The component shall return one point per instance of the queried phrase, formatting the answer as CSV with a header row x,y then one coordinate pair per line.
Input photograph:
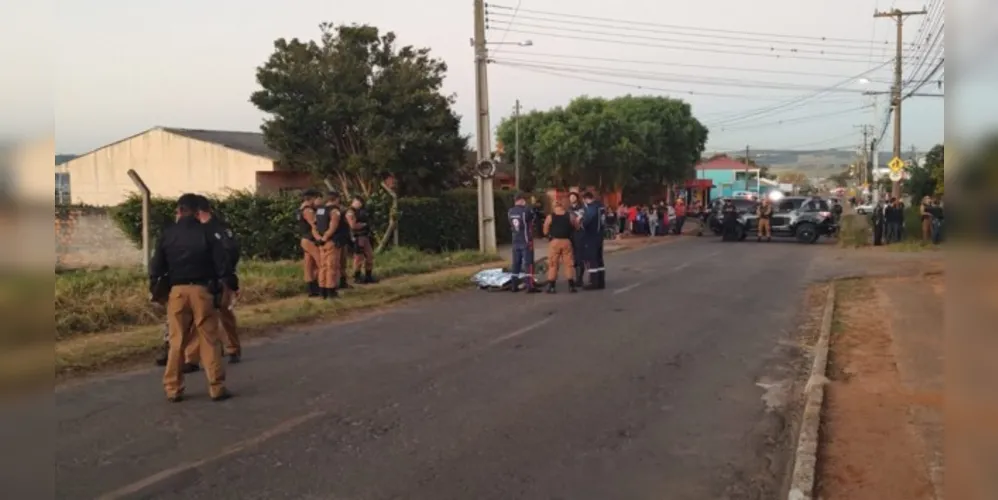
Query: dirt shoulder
x,y
871,447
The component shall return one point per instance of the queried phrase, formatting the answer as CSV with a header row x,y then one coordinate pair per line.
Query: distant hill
x,y
814,163
60,159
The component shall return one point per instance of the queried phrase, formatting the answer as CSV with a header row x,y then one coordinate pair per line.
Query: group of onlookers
x,y
891,217
656,219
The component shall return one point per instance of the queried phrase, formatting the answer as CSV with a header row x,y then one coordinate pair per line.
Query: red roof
x,y
723,163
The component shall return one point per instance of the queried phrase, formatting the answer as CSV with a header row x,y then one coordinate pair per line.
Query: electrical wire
x,y
560,24
697,29
575,76
694,49
925,80
824,141
678,78
800,100
646,62
502,41
789,121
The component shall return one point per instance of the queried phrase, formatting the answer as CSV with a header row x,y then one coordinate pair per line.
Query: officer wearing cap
x,y
328,222
227,317
306,228
195,263
577,210
521,225
360,229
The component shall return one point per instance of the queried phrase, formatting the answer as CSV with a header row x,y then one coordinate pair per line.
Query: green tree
x,y
355,108
613,143
926,179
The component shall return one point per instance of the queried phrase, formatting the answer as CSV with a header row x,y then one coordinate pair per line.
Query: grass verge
x,y
116,299
96,352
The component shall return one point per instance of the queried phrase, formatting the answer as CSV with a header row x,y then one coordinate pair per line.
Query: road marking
x,y
521,331
670,271
277,430
627,288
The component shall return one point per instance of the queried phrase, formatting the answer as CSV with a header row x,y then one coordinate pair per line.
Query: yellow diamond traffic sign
x,y
896,164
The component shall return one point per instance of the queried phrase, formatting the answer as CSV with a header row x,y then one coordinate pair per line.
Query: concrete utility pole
x,y
516,144
875,153
865,176
486,200
899,16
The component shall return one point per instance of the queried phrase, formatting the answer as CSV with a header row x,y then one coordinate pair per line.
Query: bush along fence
x,y
267,229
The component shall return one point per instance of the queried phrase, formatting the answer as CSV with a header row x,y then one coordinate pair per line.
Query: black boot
x,y
601,280
343,284
357,277
571,286
369,277
313,289
331,293
579,274
551,287
514,284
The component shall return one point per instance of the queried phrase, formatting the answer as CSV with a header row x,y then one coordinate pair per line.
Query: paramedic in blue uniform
x,y
521,224
576,209
592,227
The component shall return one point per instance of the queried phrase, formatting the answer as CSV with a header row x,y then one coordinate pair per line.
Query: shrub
x,y
855,231
267,229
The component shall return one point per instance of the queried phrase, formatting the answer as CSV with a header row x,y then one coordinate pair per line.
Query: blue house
x,y
729,177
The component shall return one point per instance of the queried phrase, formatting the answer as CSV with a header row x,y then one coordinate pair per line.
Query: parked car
x,y
802,217
865,209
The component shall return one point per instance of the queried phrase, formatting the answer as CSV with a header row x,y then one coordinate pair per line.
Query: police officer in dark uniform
x,y
217,226
592,227
521,225
194,261
577,210
729,221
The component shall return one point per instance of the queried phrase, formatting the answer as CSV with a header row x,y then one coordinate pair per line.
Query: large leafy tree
x,y
355,108
926,179
617,143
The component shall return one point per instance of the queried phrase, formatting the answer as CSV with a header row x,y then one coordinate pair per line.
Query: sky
x,y
124,66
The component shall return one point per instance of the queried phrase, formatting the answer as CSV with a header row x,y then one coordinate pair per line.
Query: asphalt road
x,y
664,386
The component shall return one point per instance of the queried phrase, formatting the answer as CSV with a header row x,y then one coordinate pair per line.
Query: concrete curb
x,y
802,479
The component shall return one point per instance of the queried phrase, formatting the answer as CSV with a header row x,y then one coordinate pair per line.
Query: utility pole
x,y
746,167
865,176
486,197
516,144
899,16
874,187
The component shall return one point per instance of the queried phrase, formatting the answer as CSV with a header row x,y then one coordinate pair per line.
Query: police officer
x,y
306,229
765,213
230,292
360,228
592,228
192,258
577,210
521,225
729,221
878,223
559,227
327,225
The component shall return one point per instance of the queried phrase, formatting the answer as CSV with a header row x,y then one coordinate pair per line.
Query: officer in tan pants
x,y
306,227
765,213
559,227
328,218
196,266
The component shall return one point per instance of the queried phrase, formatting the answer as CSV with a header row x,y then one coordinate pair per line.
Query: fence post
x,y
146,195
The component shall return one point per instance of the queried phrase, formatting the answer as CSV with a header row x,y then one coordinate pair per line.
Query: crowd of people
x,y
656,219
889,221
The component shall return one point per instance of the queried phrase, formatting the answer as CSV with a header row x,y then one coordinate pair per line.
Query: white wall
x,y
169,164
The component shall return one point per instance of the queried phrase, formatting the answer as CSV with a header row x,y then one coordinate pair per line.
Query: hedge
x,y
267,229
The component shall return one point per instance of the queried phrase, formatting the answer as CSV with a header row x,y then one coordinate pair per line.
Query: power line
x,y
925,80
668,26
723,82
789,121
502,41
560,23
800,100
824,141
575,76
674,47
677,64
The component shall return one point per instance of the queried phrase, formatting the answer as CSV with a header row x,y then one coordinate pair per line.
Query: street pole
x,y
875,151
746,167
899,16
516,144
486,200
